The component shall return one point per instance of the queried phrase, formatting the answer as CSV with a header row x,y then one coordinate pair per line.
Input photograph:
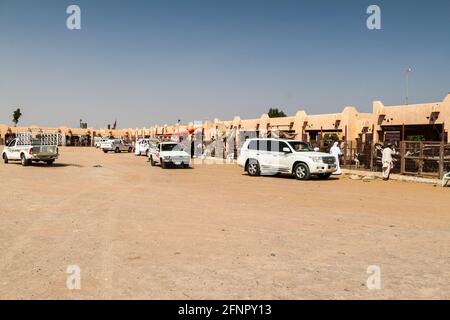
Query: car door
x,y
274,155
144,146
264,156
251,151
282,159
13,151
123,146
154,152
137,147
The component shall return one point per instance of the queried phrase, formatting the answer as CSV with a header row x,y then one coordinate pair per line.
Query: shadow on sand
x,y
291,177
54,165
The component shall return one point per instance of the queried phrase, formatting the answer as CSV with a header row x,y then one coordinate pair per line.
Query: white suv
x,y
274,156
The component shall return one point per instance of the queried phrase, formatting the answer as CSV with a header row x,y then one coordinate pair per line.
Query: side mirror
x,y
286,150
316,149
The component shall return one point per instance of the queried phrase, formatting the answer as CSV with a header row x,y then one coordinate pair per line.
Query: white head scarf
x,y
335,150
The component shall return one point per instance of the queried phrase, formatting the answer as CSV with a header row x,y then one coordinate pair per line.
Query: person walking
x,y
336,152
387,160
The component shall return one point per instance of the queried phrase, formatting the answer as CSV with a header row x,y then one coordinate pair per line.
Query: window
x,y
35,142
282,145
264,145
12,143
300,146
170,147
267,145
253,145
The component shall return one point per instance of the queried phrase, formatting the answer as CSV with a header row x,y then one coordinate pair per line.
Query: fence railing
x,y
421,158
424,158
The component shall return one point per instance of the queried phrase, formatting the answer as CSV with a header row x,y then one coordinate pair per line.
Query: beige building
x,y
427,121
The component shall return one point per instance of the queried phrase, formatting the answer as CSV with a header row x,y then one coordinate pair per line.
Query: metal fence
x,y
357,154
424,158
420,158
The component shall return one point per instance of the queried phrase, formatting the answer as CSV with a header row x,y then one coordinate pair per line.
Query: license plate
x,y
177,163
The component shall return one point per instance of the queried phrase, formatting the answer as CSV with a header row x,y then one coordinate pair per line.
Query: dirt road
x,y
212,232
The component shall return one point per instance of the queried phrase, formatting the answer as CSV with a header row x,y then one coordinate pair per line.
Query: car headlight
x,y
166,158
317,159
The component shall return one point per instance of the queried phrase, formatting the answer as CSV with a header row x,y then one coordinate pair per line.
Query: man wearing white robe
x,y
336,152
387,161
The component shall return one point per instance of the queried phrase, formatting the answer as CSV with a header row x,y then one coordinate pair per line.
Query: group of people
x,y
387,159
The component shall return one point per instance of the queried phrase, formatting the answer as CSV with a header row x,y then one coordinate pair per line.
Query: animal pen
x,y
420,158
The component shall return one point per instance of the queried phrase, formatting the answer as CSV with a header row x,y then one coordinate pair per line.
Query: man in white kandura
x,y
387,160
336,152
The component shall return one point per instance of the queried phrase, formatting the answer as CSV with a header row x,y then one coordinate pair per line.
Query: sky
x,y
160,61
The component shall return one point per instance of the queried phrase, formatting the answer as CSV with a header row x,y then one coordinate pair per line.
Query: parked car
x,y
141,147
30,150
168,153
116,145
274,156
98,141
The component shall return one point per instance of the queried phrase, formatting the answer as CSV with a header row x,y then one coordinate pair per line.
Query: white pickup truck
x,y
116,145
168,153
31,149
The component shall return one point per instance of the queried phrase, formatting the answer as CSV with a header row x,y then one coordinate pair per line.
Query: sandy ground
x,y
212,232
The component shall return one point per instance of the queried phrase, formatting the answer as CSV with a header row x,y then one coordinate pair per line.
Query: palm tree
x,y
16,116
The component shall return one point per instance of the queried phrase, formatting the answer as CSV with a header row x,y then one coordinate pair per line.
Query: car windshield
x,y
35,142
300,146
170,147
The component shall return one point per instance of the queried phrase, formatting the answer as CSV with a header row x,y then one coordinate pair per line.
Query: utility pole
x,y
407,84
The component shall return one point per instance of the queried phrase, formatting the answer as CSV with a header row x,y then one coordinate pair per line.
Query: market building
x,y
413,129
426,121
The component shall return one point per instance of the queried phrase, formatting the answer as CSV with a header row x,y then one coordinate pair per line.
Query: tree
x,y
275,113
16,116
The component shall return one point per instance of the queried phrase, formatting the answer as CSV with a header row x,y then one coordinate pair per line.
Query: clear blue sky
x,y
147,62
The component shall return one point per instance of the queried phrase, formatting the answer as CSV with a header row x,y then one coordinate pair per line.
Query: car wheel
x,y
146,153
324,176
163,165
50,162
117,150
130,150
253,168
186,165
105,151
24,160
5,158
152,162
301,171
